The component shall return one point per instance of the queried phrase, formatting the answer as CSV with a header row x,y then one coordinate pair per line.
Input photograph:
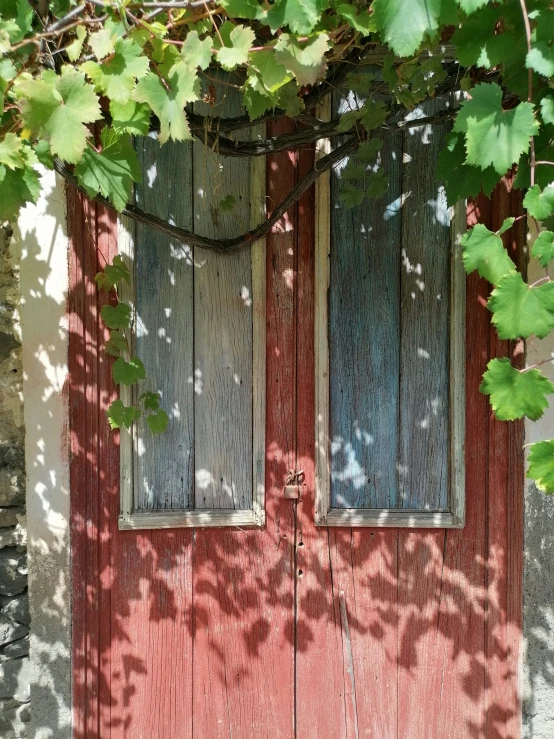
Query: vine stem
x,y
529,83
537,364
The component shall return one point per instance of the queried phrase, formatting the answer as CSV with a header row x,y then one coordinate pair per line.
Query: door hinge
x,y
293,484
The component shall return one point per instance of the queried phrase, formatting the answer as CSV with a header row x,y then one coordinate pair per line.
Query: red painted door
x,y
292,631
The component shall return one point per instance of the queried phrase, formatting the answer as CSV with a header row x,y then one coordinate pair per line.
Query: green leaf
x,y
169,105
361,22
348,120
373,115
157,422
547,109
301,16
377,184
543,248
368,151
116,344
290,101
484,251
242,8
73,51
494,136
470,6
130,117
514,394
113,171
196,52
128,373
102,43
113,274
256,103
116,316
241,39
17,187
227,204
404,24
539,203
57,107
151,401
306,60
120,415
269,75
10,152
521,311
116,77
541,465
507,223
352,195
541,59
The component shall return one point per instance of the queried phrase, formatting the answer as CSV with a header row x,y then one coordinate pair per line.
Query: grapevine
x,y
79,81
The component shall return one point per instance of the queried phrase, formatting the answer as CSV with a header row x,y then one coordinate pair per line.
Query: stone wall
x,y
14,602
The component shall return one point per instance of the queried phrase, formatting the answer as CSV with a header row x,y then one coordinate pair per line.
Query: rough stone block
x,y
19,648
9,516
16,607
10,630
15,679
12,487
13,571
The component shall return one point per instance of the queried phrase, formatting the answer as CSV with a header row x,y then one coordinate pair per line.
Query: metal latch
x,y
293,484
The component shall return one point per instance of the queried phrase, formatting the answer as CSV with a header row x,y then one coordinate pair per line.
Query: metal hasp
x,y
293,484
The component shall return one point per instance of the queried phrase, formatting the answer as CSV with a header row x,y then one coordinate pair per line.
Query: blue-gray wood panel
x,y
388,335
164,465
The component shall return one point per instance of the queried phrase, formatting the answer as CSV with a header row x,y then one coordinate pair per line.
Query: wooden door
x,y
290,630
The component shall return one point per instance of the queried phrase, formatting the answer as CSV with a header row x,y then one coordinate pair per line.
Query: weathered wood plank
x,y
222,327
423,475
163,465
244,580
363,338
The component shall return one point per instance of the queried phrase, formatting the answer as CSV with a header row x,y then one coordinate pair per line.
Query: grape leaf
x,y
73,51
157,422
373,115
539,204
484,251
377,183
494,136
151,401
544,151
169,105
541,465
111,172
256,103
196,52
10,152
470,6
369,150
241,39
130,117
227,204
17,187
547,109
514,394
128,373
301,16
543,248
403,24
306,60
265,68
352,195
242,8
541,59
519,310
120,415
116,77
113,274
116,316
290,101
102,42
507,223
462,180
57,107
116,344
361,22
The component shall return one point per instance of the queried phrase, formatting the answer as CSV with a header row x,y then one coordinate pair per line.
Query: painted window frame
x,y
130,519
325,514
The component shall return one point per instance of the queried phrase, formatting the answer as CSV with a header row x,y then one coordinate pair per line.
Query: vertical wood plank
x,y
364,326
163,466
244,580
424,356
222,327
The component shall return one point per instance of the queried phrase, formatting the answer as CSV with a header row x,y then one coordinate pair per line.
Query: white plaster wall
x,y
41,238
538,598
